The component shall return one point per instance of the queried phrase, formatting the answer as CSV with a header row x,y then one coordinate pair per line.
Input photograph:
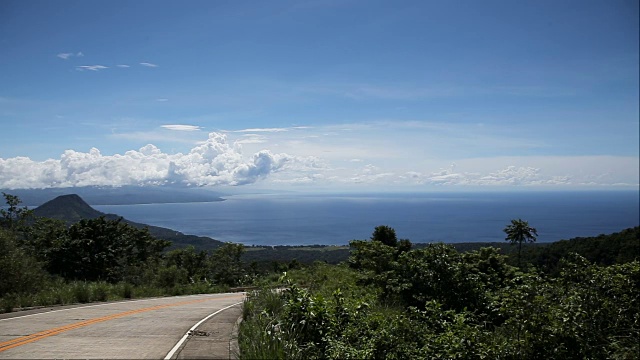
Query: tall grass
x,y
60,292
259,336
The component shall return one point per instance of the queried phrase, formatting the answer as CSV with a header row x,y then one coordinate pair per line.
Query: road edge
x,y
175,352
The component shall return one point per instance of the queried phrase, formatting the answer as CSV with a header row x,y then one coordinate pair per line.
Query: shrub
x,y
81,292
100,291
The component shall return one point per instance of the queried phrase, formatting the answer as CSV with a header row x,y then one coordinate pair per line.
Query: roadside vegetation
x,y
395,302
389,298
45,262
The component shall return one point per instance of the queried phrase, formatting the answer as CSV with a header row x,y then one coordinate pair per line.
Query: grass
x,y
59,292
259,337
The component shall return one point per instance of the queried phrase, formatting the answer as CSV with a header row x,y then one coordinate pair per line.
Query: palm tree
x,y
519,231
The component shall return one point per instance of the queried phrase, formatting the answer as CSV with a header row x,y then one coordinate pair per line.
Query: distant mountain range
x,y
123,195
72,208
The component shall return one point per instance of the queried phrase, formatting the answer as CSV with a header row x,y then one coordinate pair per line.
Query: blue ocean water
x,y
334,219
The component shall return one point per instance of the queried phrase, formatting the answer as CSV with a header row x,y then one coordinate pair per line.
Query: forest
x,y
385,298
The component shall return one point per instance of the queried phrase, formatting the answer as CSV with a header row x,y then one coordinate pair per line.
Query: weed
x,y
81,292
8,303
127,291
100,291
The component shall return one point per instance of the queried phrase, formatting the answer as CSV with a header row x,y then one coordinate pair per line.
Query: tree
x,y
194,262
386,235
20,273
226,264
101,249
14,216
518,232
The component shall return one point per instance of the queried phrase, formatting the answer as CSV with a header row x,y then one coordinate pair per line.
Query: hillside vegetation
x,y
72,208
395,302
78,254
388,298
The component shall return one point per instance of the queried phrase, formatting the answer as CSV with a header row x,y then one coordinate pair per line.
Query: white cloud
x,y
214,162
261,130
252,139
162,100
64,56
148,64
506,177
67,56
425,155
182,127
91,67
123,66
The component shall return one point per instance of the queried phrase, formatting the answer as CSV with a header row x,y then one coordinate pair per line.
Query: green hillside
x,y
72,208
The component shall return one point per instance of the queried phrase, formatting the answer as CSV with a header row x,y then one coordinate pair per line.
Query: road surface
x,y
135,329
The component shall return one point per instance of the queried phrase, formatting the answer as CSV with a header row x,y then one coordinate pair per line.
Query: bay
x,y
335,219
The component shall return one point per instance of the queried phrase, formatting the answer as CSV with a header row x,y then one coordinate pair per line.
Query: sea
x,y
335,219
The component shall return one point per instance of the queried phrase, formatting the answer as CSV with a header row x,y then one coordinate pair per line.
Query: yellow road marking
x,y
50,332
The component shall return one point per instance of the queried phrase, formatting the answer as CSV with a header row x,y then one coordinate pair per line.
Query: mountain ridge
x,y
71,208
122,195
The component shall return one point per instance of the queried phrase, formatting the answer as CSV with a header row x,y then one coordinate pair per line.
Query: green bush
x,y
126,290
8,302
171,276
81,291
100,291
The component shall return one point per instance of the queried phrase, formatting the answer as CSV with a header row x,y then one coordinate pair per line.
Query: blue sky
x,y
320,94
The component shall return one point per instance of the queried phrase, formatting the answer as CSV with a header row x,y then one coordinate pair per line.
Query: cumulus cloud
x,y
148,64
214,162
91,67
182,127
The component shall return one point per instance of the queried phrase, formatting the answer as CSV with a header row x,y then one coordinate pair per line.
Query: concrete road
x,y
136,329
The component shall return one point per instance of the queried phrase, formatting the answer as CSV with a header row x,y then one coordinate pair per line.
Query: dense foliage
x,y
393,302
616,248
575,299
44,261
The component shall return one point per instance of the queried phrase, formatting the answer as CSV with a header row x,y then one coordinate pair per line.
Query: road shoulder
x,y
216,338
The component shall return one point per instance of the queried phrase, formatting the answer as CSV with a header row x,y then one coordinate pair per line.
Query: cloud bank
x,y
328,160
213,162
509,176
